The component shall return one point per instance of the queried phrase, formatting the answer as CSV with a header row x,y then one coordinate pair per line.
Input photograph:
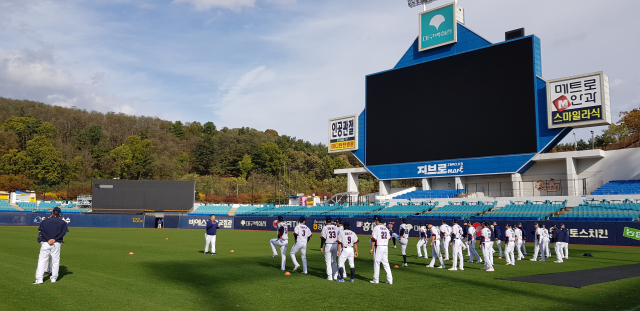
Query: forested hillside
x,y
52,148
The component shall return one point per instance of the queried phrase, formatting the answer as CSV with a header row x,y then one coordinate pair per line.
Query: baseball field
x,y
168,271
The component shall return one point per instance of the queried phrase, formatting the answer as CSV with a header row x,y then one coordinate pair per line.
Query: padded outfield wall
x,y
581,232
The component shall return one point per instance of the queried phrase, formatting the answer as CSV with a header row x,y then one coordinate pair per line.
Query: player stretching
x,y
282,241
510,236
471,236
423,241
347,242
457,233
536,241
445,230
302,235
487,247
329,248
435,246
379,241
518,233
403,238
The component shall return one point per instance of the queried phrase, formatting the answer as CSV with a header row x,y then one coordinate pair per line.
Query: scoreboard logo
x,y
343,134
438,27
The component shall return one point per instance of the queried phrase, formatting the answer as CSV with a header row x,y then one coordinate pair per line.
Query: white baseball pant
x,y
544,248
445,246
487,252
403,243
330,253
211,240
457,254
422,244
283,250
558,248
508,252
302,248
47,251
565,250
518,247
499,246
536,249
381,256
346,254
435,253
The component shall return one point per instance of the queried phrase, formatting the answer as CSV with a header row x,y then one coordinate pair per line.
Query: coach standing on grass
x,y
210,236
52,230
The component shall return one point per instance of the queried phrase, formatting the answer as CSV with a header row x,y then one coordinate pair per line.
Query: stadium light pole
x,y
415,3
592,141
575,140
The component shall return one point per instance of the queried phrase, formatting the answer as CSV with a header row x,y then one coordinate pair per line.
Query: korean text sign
x,y
343,134
438,27
579,101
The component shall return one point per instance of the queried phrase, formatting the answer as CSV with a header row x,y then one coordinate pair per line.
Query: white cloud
x,y
147,6
205,5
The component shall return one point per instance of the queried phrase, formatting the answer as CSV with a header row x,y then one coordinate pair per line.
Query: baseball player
x,y
565,243
457,233
423,241
302,235
329,247
487,247
347,242
435,246
519,241
543,242
403,238
510,241
210,235
445,230
339,225
524,239
465,240
51,233
547,250
497,235
380,240
282,241
536,241
471,236
558,237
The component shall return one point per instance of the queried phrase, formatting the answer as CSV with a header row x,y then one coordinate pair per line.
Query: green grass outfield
x,y
174,274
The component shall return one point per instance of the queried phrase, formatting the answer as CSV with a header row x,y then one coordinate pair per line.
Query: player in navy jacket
x,y
497,234
210,236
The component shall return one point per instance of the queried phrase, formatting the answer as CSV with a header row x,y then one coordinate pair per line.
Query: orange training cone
x,y
396,266
232,251
130,253
287,273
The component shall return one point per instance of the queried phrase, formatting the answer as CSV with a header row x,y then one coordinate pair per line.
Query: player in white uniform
x,y
536,241
487,247
403,238
435,246
282,241
329,246
518,233
347,250
544,243
380,241
510,240
465,240
422,243
457,234
471,237
547,250
302,235
565,243
524,239
445,230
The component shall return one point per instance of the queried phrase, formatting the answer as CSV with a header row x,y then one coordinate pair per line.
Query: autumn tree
x,y
133,159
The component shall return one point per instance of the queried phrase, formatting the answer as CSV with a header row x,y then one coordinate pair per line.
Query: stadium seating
x,y
407,209
465,210
360,210
526,211
430,194
253,210
602,211
315,211
618,187
212,209
6,207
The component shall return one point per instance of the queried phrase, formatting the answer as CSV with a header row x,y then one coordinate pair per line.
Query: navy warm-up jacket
x,y
212,227
52,228
497,233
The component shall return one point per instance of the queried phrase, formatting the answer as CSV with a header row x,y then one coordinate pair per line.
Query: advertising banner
x,y
438,27
343,134
579,101
200,222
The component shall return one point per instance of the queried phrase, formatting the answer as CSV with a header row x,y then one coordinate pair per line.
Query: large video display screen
x,y
150,195
476,104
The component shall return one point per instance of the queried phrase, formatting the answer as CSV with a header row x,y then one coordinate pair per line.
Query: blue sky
x,y
282,64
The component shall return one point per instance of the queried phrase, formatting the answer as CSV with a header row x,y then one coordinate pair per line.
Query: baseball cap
x,y
519,224
56,210
561,225
428,223
403,220
301,219
536,224
339,220
280,218
507,225
377,217
442,220
420,224
346,224
328,218
455,221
